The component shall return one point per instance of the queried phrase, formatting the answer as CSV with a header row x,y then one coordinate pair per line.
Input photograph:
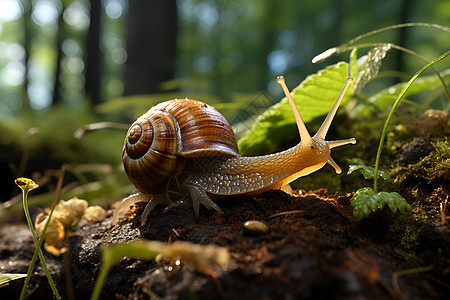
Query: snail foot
x,y
154,200
199,196
124,206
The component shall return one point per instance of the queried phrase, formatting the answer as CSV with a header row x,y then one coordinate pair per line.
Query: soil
x,y
312,250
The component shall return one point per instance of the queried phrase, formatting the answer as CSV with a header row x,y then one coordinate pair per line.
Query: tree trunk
x,y
405,13
27,35
93,54
150,35
56,98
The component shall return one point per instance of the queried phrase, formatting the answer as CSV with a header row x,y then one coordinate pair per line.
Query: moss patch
x,y
420,179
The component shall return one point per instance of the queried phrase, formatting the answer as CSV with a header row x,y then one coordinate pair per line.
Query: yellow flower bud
x,y
26,184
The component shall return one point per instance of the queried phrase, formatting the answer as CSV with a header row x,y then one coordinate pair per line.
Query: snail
x,y
184,151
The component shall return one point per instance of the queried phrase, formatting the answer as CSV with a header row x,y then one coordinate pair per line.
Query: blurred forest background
x,y
65,64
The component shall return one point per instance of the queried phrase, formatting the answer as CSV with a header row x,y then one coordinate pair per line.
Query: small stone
x,y
412,152
431,122
256,227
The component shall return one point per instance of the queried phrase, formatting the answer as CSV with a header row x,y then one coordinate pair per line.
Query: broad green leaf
x,y
395,202
313,97
367,172
365,200
5,278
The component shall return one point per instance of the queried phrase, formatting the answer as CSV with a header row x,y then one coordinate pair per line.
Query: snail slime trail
x,y
184,151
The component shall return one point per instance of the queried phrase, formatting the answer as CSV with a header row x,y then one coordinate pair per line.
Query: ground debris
x,y
313,250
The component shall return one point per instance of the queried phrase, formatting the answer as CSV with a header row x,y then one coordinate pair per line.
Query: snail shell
x,y
158,143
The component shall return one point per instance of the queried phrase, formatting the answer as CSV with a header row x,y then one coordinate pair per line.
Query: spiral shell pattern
x,y
159,142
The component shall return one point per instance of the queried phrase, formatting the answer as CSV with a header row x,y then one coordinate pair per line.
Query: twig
x,y
397,274
289,212
81,132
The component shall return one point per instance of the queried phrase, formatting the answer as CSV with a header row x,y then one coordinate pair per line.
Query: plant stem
x,y
406,50
359,37
397,274
99,282
391,113
39,251
343,47
33,260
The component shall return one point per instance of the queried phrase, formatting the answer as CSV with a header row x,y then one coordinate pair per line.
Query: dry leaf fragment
x,y
53,236
94,214
70,212
66,214
202,256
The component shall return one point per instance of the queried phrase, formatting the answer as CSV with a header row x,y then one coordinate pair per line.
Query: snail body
x,y
185,149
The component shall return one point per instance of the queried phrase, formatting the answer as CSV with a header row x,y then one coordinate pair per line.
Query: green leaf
x,y
387,96
5,278
313,97
395,202
365,200
367,172
371,65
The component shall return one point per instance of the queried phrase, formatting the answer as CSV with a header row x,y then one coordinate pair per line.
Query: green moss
x,y
440,161
418,180
431,170
405,230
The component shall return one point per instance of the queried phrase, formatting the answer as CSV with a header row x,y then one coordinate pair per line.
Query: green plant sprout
x,y
27,185
394,106
357,164
367,199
